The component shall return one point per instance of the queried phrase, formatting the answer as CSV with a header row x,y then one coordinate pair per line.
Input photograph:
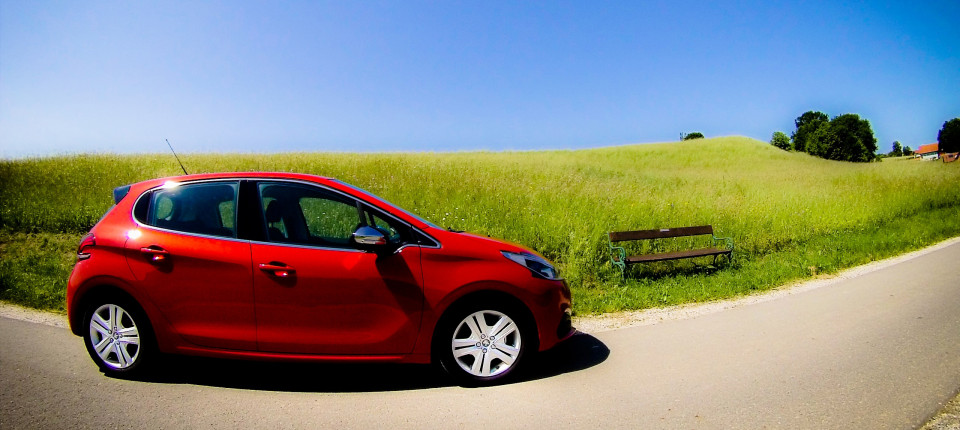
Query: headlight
x,y
540,267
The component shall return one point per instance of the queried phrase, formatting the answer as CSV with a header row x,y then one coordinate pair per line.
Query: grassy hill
x,y
791,215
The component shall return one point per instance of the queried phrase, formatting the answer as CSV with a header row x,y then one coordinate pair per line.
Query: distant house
x,y
928,151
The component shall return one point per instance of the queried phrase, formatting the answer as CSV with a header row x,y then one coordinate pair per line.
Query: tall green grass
x,y
778,206
34,267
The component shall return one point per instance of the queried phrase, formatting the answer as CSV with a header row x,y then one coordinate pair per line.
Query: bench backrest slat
x,y
618,236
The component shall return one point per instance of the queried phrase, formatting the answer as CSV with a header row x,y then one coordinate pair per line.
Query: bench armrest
x,y
614,251
618,258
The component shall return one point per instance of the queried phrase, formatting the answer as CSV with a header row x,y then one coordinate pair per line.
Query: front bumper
x,y
554,322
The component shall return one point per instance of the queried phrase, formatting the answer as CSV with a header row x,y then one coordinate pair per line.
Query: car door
x,y
189,262
316,292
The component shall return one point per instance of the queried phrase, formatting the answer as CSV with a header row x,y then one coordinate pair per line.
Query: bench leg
x,y
623,269
729,258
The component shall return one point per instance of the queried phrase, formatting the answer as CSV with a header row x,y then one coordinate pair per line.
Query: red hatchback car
x,y
282,266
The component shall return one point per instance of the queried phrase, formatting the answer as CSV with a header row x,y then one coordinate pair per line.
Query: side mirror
x,y
369,238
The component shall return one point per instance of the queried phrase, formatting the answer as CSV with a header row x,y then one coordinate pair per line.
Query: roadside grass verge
x,y
34,268
792,216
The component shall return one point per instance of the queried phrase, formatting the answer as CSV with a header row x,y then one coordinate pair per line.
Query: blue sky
x,y
473,75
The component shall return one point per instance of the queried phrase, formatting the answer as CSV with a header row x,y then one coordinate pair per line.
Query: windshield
x,y
356,188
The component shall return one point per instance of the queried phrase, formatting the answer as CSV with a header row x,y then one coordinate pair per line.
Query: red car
x,y
281,266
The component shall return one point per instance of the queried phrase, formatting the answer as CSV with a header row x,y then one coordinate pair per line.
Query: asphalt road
x,y
880,351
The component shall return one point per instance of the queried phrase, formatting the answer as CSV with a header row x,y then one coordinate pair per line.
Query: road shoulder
x,y
17,312
947,419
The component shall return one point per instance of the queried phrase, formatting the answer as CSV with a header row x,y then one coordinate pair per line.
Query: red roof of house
x,y
928,148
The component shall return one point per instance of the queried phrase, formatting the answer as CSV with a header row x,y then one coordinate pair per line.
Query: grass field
x,y
792,216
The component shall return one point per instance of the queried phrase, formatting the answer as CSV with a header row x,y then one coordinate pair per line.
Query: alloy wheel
x,y
486,343
114,336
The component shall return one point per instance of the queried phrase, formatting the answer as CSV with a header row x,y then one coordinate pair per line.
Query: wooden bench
x,y
619,258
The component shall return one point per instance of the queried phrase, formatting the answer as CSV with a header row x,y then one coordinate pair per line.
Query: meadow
x,y
791,215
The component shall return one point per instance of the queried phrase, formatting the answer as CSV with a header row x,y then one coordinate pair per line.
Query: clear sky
x,y
99,76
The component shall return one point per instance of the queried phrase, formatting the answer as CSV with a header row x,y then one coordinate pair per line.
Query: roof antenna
x,y
175,155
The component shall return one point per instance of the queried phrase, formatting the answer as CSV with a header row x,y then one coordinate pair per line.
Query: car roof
x,y
228,175
151,183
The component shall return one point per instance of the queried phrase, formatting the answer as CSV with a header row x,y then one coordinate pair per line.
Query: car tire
x,y
118,337
484,343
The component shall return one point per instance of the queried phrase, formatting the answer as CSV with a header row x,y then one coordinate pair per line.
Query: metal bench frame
x,y
619,259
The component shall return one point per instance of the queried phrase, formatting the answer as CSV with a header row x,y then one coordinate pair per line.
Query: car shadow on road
x,y
580,352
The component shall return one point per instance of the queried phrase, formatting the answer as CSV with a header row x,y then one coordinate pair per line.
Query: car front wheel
x,y
484,344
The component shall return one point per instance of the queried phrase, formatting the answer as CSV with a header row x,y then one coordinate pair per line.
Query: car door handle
x,y
279,270
155,253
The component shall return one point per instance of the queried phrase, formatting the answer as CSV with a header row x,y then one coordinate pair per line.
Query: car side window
x,y
203,208
308,215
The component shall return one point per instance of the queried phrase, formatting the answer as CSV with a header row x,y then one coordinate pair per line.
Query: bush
x,y
694,135
780,140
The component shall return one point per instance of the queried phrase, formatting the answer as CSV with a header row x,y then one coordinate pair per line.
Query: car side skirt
x,y
274,356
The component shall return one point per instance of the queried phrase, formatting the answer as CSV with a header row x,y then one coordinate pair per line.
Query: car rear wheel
x,y
118,337
484,344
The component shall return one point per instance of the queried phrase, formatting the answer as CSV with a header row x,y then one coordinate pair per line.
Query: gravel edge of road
x,y
17,312
947,419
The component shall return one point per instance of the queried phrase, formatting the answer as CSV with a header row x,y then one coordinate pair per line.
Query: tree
x,y
780,140
846,137
907,151
818,139
850,139
949,136
807,124
694,135
897,149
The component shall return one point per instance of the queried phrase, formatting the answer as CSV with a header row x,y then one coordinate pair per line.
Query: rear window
x,y
203,208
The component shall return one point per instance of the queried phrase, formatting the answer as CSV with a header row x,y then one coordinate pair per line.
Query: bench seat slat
x,y
619,236
677,255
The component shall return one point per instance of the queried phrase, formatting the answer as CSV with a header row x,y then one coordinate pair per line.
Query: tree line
x,y
848,137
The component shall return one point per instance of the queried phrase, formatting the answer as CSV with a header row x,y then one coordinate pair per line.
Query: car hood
x,y
478,242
